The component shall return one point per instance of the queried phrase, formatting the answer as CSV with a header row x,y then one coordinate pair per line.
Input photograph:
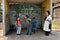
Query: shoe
x,y
46,35
30,34
18,34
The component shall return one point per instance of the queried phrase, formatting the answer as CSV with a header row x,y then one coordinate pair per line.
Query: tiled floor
x,y
39,35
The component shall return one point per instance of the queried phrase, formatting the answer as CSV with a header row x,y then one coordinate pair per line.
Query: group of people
x,y
31,24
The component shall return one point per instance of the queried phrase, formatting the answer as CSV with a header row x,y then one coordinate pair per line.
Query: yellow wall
x,y
45,7
6,5
6,15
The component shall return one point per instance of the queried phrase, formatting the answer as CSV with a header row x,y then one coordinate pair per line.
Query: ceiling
x,y
55,1
25,1
0,1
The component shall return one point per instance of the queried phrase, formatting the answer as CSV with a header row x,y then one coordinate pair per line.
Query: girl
x,y
18,24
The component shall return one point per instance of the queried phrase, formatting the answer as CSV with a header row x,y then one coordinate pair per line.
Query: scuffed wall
x,y
6,16
45,7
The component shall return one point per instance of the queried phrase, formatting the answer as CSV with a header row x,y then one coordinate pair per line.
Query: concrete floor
x,y
38,36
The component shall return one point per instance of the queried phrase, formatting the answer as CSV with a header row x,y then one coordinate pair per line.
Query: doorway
x,y
32,10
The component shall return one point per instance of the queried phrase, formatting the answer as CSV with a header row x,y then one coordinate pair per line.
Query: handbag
x,y
49,26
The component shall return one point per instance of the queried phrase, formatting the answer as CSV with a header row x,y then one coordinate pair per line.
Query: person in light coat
x,y
47,26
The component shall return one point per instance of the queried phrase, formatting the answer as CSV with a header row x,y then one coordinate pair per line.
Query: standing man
x,y
28,22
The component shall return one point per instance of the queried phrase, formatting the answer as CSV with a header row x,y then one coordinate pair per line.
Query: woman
x,y
28,22
47,26
18,26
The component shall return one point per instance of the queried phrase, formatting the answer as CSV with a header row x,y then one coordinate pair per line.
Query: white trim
x,y
3,11
51,7
54,13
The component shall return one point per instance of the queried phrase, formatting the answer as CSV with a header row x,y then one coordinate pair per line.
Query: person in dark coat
x,y
34,22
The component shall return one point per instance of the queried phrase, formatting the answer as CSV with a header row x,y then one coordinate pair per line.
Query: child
x,y
18,24
34,25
